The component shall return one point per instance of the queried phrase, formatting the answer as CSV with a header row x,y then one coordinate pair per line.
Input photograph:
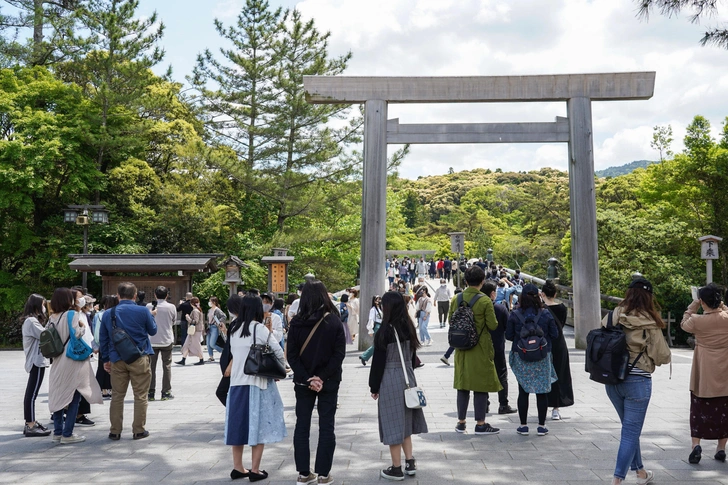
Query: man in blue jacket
x,y
139,324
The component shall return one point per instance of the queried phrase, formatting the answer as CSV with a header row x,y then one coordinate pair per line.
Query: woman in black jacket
x,y
316,350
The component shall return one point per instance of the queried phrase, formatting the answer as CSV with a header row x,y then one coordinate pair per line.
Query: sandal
x,y
254,477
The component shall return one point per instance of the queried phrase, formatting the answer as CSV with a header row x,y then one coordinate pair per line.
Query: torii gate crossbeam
x,y
577,90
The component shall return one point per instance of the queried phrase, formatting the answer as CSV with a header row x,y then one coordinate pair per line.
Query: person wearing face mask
x,y
193,344
34,319
272,321
215,327
443,297
84,408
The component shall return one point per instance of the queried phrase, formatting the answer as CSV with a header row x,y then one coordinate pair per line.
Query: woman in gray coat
x,y
397,422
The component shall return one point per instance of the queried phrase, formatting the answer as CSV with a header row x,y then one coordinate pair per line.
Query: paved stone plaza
x,y
186,447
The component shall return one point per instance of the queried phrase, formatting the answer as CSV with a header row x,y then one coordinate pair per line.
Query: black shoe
x,y
460,428
84,421
421,364
114,437
141,436
150,397
410,467
201,362
236,474
363,362
506,410
720,455
695,455
485,428
166,396
393,473
181,362
254,477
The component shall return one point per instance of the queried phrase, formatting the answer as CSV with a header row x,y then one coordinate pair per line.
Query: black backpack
x,y
532,345
463,335
607,355
51,345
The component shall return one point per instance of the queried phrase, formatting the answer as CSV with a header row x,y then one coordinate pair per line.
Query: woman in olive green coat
x,y
474,368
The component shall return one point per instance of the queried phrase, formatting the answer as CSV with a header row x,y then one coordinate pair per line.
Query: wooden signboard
x,y
278,278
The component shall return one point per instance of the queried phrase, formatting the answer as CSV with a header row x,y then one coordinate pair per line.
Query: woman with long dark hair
x,y
639,316
375,320
562,392
708,385
533,377
316,349
254,414
397,423
34,319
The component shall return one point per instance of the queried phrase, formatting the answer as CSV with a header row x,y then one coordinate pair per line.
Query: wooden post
x,y
584,249
373,212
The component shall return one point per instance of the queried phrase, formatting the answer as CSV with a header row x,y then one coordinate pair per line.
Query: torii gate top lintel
x,y
480,89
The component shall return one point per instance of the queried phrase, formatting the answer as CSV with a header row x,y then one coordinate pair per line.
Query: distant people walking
x,y
353,306
424,309
447,269
344,314
193,345
474,368
254,407
432,269
375,320
708,383
139,324
316,351
34,319
397,422
165,315
562,392
69,379
534,377
440,265
639,316
443,297
215,327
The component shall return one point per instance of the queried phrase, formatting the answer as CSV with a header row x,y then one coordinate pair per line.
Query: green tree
x,y
699,9
661,141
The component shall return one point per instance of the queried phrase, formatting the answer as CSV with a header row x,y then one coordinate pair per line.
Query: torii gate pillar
x,y
577,90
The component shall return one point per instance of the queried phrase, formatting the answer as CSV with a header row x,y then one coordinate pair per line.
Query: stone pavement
x,y
186,447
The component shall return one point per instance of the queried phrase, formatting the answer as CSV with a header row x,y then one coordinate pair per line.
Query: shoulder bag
x,y
125,346
414,397
77,348
262,361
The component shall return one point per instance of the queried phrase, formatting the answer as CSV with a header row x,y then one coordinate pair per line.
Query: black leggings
x,y
480,401
35,379
542,404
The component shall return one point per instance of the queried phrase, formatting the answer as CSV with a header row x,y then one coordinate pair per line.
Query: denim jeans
x,y
424,333
65,427
305,401
212,333
630,398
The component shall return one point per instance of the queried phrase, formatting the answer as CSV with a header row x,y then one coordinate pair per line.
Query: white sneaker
x,y
444,360
56,438
555,415
74,438
648,479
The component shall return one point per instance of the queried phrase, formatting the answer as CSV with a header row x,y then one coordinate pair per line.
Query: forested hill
x,y
624,169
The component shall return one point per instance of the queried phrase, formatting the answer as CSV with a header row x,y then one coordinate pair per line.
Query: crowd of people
x,y
308,335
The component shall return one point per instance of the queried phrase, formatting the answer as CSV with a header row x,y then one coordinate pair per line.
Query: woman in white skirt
x,y
254,410
193,343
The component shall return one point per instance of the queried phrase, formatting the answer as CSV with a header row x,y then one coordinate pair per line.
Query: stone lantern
x,y
232,266
552,272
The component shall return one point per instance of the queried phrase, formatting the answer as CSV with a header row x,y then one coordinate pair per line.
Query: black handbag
x,y
126,347
262,361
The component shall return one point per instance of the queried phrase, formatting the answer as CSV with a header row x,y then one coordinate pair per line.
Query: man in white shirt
x,y
276,324
165,315
443,297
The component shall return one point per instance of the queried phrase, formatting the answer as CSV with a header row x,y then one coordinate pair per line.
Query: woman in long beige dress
x,y
353,308
69,379
193,343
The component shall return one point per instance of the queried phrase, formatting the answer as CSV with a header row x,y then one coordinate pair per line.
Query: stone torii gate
x,y
577,90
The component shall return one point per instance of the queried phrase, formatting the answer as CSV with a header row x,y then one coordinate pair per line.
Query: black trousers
x,y
35,379
448,275
542,404
499,359
305,401
480,401
443,307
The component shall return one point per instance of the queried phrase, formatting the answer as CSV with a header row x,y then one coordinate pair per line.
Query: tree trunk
x,y
38,21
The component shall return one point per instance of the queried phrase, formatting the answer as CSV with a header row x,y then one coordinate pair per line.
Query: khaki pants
x,y
139,374
166,369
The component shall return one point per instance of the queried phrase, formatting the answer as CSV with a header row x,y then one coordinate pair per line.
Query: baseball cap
x,y
641,283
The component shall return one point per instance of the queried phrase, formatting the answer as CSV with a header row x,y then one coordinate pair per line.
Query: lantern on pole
x,y
278,271
232,266
709,252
